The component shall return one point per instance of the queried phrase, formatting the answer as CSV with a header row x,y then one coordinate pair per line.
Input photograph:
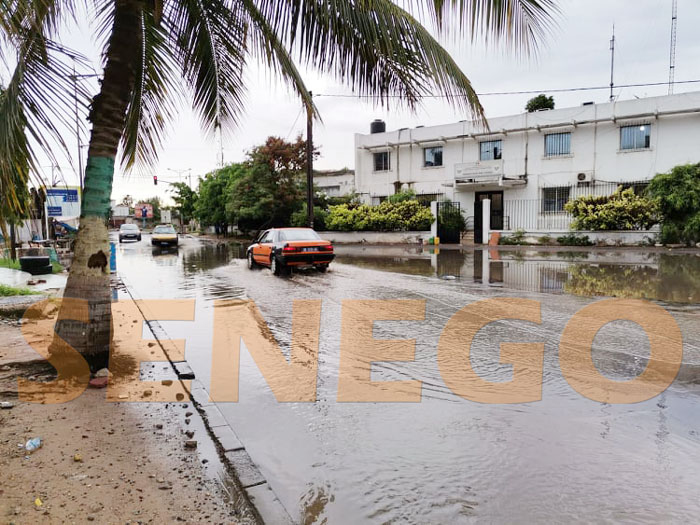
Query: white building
x,y
530,164
335,183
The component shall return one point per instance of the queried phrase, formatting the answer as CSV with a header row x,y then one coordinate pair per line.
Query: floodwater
x,y
447,459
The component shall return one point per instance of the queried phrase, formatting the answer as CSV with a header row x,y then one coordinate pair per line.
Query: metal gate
x,y
448,219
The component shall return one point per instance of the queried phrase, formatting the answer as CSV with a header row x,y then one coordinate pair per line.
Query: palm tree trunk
x,y
89,272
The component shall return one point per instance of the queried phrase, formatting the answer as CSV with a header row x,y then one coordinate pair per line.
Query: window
x,y
635,137
432,157
490,150
553,199
381,161
298,234
556,144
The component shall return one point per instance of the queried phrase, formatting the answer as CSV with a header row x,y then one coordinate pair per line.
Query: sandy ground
x,y
132,464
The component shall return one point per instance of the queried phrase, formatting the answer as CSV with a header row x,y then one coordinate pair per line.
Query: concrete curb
x,y
231,450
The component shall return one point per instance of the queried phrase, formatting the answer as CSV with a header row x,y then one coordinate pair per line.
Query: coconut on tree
x,y
155,51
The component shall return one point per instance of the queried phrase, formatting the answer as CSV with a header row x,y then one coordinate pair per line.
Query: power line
x,y
524,92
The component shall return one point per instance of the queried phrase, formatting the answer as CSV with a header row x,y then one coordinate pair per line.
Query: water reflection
x,y
623,273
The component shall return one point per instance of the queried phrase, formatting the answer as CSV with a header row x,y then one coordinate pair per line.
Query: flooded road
x,y
447,459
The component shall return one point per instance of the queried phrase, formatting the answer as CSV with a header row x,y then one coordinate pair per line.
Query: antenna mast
x,y
612,65
672,56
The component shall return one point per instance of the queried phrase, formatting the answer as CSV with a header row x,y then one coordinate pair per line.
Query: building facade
x,y
529,165
335,183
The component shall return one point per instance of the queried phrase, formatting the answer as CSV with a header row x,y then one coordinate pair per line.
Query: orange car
x,y
281,248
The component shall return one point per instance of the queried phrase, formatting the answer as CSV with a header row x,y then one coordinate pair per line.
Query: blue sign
x,y
65,194
55,211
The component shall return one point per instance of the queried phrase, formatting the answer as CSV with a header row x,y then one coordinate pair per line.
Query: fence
x,y
547,213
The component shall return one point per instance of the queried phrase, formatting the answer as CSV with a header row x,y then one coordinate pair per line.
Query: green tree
x,y
539,102
185,199
214,189
271,189
678,195
378,48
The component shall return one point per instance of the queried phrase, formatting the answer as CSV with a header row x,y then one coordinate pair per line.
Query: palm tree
x,y
155,48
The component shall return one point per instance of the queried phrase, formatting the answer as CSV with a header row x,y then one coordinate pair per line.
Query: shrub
x,y
572,239
388,216
517,238
452,219
298,218
678,196
545,239
623,210
404,195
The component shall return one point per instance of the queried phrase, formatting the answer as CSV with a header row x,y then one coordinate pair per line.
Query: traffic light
x,y
155,180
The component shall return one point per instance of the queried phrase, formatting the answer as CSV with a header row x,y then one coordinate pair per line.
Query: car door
x,y
259,250
266,246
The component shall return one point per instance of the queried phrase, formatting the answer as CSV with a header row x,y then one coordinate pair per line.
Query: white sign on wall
x,y
165,216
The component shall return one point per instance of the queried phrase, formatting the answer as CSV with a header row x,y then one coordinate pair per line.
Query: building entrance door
x,y
496,198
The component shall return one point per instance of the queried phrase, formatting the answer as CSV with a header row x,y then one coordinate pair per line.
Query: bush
x,y
388,216
298,218
678,196
404,195
623,210
517,238
572,239
452,219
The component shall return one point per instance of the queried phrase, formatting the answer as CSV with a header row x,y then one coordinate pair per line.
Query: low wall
x,y
376,237
609,238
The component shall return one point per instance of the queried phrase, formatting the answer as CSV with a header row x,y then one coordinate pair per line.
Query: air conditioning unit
x,y
585,177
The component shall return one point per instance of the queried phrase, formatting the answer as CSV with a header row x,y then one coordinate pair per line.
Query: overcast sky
x,y
577,54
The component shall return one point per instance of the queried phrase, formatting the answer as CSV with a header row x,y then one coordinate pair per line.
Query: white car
x,y
129,231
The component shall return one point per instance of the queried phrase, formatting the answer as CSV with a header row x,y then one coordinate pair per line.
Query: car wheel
x,y
251,261
276,266
322,268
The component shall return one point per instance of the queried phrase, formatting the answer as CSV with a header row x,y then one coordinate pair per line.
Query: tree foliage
x,y
678,196
270,188
539,102
623,210
185,199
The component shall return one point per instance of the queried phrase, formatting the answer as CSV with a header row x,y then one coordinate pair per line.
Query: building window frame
x,y
491,150
635,137
557,144
381,165
435,154
554,198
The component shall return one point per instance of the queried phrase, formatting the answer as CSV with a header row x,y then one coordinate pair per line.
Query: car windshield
x,y
129,227
164,229
303,234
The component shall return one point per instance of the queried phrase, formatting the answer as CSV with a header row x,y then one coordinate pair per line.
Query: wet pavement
x,y
447,459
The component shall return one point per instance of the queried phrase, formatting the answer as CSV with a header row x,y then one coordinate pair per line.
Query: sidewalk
x,y
105,462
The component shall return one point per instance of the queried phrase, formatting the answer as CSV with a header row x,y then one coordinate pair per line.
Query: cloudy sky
x,y
577,54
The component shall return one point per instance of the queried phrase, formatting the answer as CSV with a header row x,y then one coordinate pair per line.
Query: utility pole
x,y
612,65
672,57
310,163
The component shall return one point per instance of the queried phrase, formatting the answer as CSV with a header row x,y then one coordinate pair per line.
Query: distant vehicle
x,y
282,248
164,234
129,231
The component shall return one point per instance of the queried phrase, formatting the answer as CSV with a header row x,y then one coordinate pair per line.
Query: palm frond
x,y
210,40
153,101
270,47
375,46
521,24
